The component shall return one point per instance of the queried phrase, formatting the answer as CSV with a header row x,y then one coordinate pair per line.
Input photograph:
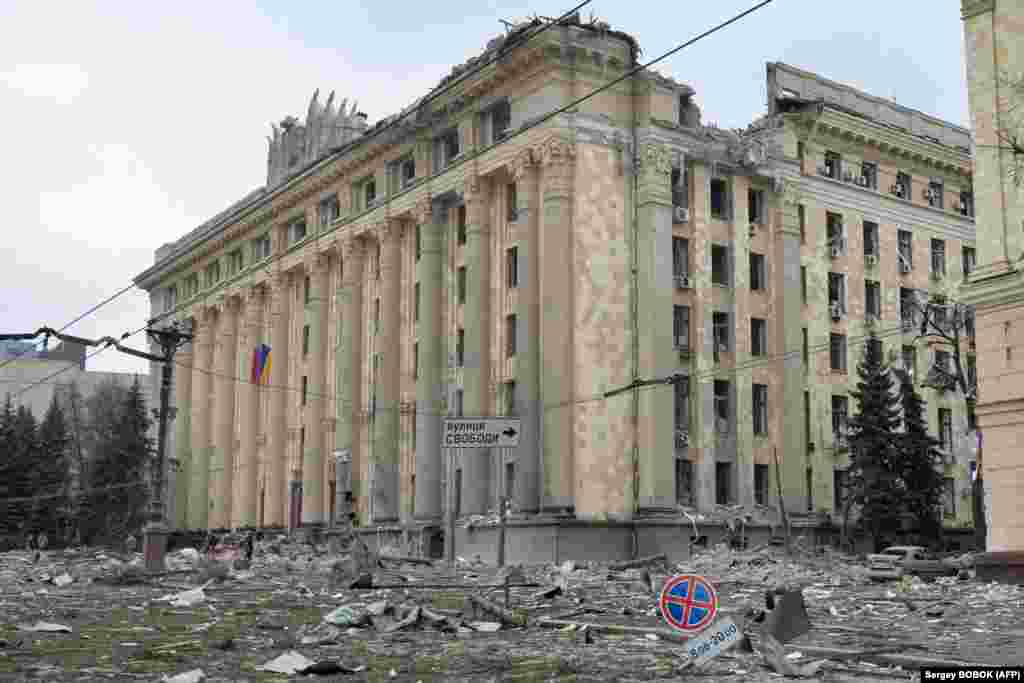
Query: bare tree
x,y
1010,134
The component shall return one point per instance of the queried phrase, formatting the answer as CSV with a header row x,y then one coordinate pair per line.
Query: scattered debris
x,y
45,627
193,676
290,662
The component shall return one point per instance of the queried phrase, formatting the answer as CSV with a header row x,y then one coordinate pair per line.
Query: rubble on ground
x,y
90,614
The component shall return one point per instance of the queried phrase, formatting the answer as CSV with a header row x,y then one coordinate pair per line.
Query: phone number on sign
x,y
714,640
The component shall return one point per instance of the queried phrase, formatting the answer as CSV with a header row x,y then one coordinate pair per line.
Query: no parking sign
x,y
688,603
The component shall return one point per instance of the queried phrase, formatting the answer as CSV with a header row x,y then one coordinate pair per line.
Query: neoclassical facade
x,y
474,256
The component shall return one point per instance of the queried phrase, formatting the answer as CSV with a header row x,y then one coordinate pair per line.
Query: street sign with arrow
x,y
481,432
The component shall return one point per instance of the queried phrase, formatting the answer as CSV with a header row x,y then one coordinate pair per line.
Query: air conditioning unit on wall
x,y
680,214
682,281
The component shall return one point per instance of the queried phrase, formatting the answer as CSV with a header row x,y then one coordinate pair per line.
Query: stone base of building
x,y
1004,567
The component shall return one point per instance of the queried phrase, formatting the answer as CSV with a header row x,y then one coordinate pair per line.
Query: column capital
x,y
352,248
279,282
656,159
317,262
556,151
524,162
471,187
388,231
423,211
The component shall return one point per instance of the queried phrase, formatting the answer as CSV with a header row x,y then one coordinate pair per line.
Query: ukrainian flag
x,y
261,364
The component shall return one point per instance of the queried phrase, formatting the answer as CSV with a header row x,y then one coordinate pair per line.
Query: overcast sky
x,y
128,124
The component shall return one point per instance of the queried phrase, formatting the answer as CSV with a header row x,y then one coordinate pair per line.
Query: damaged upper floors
x,y
468,257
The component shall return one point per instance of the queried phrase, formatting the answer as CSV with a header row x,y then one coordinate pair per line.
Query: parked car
x,y
898,561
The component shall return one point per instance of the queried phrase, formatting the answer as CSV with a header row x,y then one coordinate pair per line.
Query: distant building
x,y
450,266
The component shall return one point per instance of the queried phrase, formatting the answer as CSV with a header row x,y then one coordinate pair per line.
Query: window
x,y
938,257
297,231
170,297
302,442
376,316
801,213
305,340
969,260
236,261
760,400
755,206
720,327
806,347
680,187
972,373
377,261
305,290
966,207
809,485
870,239
328,210
681,327
415,361
407,172
905,251
902,186
305,389
499,118
460,224
511,203
837,352
260,248
969,326
908,307
680,257
684,482
761,484
910,360
938,309
758,272
446,149
874,347
510,335
943,361
457,494
934,194
833,165
946,429
681,396
416,303
460,348
369,192
839,485
807,418
459,394
873,298
719,265
212,274
840,410
949,496
834,227
758,336
512,267
419,242
719,199
869,174
803,283
722,409
460,282
510,480
510,398
837,290
723,482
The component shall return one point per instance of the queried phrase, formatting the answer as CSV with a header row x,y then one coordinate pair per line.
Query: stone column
x,y
275,513
245,511
202,362
527,361
554,258
654,309
222,460
427,506
348,357
476,372
792,451
386,420
182,433
702,435
313,503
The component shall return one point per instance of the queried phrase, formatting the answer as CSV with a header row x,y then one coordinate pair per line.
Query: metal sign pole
x,y
501,503
451,506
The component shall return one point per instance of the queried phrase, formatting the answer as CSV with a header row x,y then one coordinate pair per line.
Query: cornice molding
x,y
972,8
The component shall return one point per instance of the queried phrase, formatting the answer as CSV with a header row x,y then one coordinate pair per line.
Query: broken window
x,y
761,484
834,228
839,478
719,265
510,481
869,175
305,340
840,411
212,274
934,194
938,257
910,360
170,297
719,199
720,329
969,260
680,187
499,119
901,188
459,394
972,373
328,210
305,389
806,348
837,291
966,206
236,261
369,192
512,267
460,223
837,352
681,327
684,482
758,272
803,283
297,231
446,149
908,307
408,171
946,429
305,290
680,257
833,165
723,412
723,483
510,335
681,391
419,242
949,496
873,298
460,282
759,397
260,248
511,202
755,206
801,212
416,303
415,364
871,239
758,337
376,316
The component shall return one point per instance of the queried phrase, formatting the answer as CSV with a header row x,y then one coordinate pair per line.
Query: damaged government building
x,y
472,255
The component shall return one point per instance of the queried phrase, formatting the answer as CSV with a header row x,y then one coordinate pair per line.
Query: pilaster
x,y
701,449
275,512
315,316
222,461
202,362
348,357
245,511
183,433
386,418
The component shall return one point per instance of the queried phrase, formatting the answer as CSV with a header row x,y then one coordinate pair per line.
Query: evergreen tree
x,y
24,451
12,472
919,462
119,493
875,483
50,474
